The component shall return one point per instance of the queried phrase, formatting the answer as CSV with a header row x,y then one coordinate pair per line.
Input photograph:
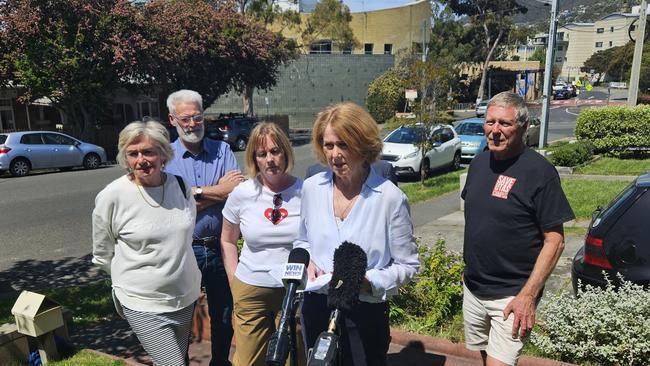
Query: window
x,y
367,48
347,51
56,139
560,47
558,59
632,28
31,139
122,113
560,36
599,44
610,43
611,29
600,30
324,46
149,109
388,49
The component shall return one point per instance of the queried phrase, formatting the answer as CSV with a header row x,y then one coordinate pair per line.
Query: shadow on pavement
x,y
39,276
414,354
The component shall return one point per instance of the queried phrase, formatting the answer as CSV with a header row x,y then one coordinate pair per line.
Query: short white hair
x,y
155,131
186,96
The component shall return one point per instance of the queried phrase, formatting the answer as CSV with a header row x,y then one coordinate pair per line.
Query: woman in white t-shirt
x,y
266,211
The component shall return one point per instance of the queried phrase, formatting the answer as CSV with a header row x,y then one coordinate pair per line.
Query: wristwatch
x,y
198,193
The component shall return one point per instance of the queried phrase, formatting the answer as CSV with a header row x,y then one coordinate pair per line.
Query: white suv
x,y
401,150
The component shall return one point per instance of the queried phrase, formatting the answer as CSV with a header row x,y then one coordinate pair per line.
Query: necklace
x,y
149,203
343,214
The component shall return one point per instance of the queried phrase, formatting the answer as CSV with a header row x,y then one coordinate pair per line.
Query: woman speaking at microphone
x,y
350,202
266,211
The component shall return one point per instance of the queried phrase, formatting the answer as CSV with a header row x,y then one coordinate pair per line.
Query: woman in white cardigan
x,y
142,234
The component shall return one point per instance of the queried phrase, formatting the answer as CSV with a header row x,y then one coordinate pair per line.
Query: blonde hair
x,y
258,139
155,131
353,125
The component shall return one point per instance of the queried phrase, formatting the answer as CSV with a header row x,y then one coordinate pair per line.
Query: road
x,y
47,216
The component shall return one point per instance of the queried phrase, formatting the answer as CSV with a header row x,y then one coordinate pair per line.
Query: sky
x,y
369,5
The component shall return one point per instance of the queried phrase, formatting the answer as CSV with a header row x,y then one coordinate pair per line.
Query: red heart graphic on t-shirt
x,y
268,213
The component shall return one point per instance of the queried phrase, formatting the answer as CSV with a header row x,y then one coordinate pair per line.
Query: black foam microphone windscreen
x,y
298,255
350,263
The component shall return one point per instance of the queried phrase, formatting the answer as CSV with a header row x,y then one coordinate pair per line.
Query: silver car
x,y
21,152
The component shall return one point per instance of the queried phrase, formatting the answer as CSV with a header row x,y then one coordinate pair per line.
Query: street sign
x,y
578,83
588,87
411,94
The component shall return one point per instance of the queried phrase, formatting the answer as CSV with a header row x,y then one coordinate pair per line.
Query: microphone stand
x,y
293,346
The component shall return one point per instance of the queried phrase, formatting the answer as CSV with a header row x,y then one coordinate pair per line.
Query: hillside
x,y
538,14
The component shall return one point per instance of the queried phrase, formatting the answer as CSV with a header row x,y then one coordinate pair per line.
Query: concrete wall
x,y
309,84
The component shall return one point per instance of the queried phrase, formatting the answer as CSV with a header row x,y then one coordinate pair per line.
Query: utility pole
x,y
633,92
548,76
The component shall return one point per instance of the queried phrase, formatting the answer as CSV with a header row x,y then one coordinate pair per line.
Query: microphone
x,y
350,264
294,277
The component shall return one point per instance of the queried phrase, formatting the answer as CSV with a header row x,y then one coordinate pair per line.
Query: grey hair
x,y
155,131
510,99
186,96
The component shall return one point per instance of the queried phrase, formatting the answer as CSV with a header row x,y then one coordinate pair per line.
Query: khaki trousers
x,y
256,313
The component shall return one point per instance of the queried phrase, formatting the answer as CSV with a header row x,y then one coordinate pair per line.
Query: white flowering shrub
x,y
608,326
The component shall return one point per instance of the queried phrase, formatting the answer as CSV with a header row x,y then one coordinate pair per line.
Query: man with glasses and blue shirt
x,y
209,166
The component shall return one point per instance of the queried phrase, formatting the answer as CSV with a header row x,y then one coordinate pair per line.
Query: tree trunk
x,y
248,101
491,49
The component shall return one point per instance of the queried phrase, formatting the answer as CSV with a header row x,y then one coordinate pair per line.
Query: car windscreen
x,y
406,135
3,139
470,129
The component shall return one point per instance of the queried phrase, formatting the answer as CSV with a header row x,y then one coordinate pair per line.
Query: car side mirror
x,y
436,143
77,144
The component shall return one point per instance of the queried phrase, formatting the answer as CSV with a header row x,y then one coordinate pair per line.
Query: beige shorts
x,y
485,329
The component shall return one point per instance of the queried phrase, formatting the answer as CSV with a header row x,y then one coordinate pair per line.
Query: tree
x,y
280,49
494,18
76,52
330,20
209,48
386,95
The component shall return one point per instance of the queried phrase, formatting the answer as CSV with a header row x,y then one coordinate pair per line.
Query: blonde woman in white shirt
x,y
142,235
266,211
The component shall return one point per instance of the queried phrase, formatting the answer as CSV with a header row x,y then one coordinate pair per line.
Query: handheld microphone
x,y
350,264
294,277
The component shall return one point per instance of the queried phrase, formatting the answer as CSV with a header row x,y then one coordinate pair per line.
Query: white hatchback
x,y
401,150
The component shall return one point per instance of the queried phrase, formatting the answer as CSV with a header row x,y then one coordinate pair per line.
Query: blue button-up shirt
x,y
204,169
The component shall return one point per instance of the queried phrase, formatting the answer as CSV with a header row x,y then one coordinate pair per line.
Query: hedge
x,y
615,129
385,96
571,154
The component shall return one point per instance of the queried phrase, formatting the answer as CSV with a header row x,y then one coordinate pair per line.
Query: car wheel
x,y
425,167
19,167
240,144
455,164
91,161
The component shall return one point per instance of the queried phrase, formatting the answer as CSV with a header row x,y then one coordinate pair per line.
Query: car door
x,y
64,150
32,147
436,154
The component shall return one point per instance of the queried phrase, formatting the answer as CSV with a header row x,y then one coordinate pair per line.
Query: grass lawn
x,y
612,166
432,187
585,196
88,359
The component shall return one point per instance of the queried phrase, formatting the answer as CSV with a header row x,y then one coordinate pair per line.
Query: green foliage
x,y
433,187
615,129
572,154
386,95
435,295
330,20
87,358
601,326
613,166
585,195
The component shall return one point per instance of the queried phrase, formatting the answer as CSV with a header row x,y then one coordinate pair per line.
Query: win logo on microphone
x,y
293,271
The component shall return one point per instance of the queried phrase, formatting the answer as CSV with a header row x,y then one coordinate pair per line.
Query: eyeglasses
x,y
277,203
198,118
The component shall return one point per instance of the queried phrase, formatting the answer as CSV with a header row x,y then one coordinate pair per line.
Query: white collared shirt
x,y
379,222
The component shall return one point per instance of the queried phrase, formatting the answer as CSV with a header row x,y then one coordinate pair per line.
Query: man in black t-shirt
x,y
514,214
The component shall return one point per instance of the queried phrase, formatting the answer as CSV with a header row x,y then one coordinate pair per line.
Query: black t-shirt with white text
x,y
508,204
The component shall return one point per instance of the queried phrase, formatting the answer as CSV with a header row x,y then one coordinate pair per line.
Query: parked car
x,y
21,152
617,240
481,108
561,94
235,129
472,137
401,150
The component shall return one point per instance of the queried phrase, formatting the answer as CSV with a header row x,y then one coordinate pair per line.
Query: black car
x,y
232,128
562,94
617,240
